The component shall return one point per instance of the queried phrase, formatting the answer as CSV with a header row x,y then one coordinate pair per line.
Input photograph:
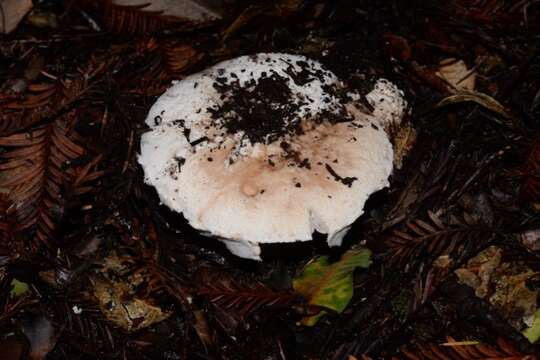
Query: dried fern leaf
x,y
493,13
47,100
6,221
430,237
466,350
179,57
244,298
35,168
89,327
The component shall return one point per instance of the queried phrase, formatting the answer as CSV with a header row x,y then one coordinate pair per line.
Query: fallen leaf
x,y
193,10
457,75
513,297
116,288
330,285
12,12
533,333
202,328
479,98
18,288
531,239
41,335
479,269
479,208
486,63
504,284
403,143
43,19
127,312
443,262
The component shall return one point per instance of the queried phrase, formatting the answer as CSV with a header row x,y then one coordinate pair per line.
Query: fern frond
x,y
133,19
453,349
39,95
9,247
89,327
84,176
18,113
179,57
243,298
35,168
430,238
6,219
492,12
48,100
152,77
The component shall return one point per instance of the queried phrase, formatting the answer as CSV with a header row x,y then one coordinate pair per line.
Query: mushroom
x,y
269,148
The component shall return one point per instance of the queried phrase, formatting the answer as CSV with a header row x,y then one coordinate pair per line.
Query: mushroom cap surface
x,y
269,148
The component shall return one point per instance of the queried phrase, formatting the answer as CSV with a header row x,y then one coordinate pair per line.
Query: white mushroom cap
x,y
250,164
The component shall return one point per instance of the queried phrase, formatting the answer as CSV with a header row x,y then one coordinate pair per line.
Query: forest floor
x,y
93,267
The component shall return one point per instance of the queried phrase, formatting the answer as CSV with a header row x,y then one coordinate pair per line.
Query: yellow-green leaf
x,y
533,333
330,285
18,288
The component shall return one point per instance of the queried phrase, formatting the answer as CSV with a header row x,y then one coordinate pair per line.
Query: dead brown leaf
x,y
481,99
403,143
115,288
531,239
503,284
192,10
457,75
12,12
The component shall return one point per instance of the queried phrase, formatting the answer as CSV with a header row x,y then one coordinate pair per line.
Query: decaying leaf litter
x,y
91,266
